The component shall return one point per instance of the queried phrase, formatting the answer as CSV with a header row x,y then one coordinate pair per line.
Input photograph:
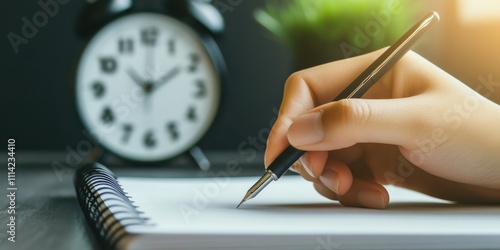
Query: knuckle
x,y
297,98
293,80
281,125
351,116
354,112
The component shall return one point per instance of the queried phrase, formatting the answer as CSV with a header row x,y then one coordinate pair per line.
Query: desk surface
x,y
48,215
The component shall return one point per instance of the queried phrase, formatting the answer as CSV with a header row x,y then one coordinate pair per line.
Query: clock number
x,y
99,89
201,89
149,140
127,131
171,46
191,114
149,36
107,115
108,64
194,60
125,45
172,130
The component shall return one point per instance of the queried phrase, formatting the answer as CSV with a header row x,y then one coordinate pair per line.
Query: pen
x,y
356,89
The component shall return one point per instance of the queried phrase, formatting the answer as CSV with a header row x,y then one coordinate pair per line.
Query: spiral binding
x,y
106,206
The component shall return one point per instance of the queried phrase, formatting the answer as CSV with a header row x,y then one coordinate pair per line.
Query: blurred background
x,y
264,42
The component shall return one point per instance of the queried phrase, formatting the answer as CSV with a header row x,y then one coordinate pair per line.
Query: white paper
x,y
291,206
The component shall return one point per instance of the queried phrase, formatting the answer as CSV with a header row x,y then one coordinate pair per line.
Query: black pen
x,y
355,90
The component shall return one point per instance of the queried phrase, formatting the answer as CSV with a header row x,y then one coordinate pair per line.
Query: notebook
x,y
200,213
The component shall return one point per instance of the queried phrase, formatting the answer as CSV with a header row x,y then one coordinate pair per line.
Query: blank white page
x,y
291,206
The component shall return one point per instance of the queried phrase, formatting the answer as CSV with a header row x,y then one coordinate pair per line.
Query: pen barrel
x,y
391,56
286,159
363,82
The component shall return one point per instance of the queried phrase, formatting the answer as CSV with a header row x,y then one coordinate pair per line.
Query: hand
x,y
417,127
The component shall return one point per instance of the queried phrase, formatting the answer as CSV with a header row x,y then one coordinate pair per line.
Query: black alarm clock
x,y
148,82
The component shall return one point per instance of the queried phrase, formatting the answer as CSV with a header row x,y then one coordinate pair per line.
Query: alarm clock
x,y
148,81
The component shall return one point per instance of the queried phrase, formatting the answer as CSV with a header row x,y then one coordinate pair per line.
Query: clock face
x,y
146,88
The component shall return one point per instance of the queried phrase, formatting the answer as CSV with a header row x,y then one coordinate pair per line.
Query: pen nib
x,y
247,197
240,203
257,187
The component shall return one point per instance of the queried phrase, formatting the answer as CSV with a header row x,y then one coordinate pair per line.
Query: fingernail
x,y
330,178
305,161
371,198
306,130
293,169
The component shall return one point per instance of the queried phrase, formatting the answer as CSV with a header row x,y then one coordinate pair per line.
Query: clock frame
x,y
190,13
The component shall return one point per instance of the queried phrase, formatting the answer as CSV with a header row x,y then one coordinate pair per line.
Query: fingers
x,y
334,174
365,194
337,177
314,162
362,194
299,169
306,89
337,182
325,191
347,122
309,88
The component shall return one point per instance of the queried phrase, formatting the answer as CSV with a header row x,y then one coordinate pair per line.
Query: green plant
x,y
317,31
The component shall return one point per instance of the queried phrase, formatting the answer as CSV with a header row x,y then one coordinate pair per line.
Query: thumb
x,y
344,123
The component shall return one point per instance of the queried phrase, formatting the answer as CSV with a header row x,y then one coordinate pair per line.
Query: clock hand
x,y
167,77
147,86
135,77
